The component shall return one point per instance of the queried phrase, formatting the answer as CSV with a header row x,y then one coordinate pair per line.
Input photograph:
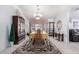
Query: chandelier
x,y
37,15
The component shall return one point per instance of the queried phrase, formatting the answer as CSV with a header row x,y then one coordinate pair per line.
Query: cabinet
x,y
19,27
51,29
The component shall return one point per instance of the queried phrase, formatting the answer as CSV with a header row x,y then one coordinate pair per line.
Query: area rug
x,y
37,48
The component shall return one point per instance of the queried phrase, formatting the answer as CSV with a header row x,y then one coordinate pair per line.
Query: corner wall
x,y
6,13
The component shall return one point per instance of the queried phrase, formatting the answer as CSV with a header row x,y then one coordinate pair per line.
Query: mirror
x,y
59,25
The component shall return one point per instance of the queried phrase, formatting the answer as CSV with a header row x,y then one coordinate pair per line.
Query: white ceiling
x,y
48,11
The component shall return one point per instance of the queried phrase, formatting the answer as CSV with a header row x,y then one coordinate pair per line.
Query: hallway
x,y
39,29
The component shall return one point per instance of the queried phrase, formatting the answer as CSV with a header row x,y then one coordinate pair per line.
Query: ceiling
x,y
48,11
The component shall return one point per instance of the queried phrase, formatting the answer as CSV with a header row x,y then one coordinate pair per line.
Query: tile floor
x,y
69,48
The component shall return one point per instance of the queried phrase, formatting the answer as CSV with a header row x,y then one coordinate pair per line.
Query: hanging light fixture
x,y
37,15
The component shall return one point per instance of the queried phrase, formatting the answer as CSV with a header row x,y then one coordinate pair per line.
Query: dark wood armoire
x,y
19,28
51,29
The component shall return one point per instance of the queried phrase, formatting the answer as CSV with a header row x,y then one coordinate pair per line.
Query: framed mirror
x,y
59,25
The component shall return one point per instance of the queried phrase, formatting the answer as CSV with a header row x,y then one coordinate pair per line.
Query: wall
x,y
65,25
67,19
6,13
74,19
20,13
40,21
39,24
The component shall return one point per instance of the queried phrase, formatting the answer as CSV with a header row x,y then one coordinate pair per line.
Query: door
x,y
51,29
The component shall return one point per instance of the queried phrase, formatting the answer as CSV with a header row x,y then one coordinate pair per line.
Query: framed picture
x,y
75,24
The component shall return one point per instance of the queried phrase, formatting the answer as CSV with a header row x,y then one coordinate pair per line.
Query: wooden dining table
x,y
42,36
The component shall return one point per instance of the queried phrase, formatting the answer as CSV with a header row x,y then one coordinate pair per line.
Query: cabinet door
x,y
19,26
51,28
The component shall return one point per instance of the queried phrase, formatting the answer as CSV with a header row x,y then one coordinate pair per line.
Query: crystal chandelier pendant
x,y
38,15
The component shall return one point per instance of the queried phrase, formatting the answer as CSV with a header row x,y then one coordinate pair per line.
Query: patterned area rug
x,y
37,47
